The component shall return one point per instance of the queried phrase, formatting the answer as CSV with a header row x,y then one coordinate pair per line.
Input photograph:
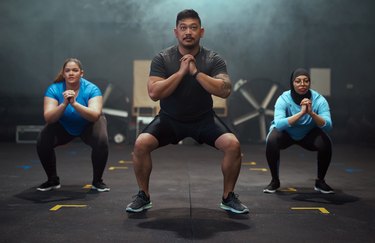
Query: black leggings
x,y
95,135
315,140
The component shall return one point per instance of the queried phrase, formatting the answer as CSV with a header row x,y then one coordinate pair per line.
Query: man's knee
x,y
229,143
145,143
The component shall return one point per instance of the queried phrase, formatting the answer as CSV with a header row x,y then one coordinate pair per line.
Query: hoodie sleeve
x,y
280,114
323,110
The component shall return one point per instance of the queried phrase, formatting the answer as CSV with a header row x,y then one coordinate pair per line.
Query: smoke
x,y
118,31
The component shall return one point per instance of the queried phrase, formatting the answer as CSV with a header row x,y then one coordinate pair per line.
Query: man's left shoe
x,y
322,186
233,204
100,186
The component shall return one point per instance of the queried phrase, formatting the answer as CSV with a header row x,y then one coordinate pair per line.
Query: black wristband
x,y
195,74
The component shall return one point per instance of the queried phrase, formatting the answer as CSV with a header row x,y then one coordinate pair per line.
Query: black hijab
x,y
297,98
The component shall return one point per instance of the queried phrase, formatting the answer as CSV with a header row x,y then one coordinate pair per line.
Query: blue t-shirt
x,y
286,107
71,120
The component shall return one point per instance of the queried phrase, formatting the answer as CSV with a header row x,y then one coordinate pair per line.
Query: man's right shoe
x,y
272,187
233,204
49,185
140,203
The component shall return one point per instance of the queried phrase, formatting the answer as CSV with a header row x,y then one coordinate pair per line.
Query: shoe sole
x,y
48,188
100,190
269,191
322,191
222,206
138,210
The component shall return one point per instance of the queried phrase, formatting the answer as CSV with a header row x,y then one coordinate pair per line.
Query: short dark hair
x,y
188,14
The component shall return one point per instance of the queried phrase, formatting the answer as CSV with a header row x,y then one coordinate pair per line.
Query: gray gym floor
x,y
186,188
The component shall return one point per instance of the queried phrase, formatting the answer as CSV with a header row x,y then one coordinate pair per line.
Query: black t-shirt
x,y
190,100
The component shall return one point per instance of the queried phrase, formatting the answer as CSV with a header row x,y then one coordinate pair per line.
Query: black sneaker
x,y
272,187
233,204
321,186
49,185
140,203
100,186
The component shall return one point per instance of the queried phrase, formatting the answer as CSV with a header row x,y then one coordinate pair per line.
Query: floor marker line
x,y
322,210
58,206
258,169
125,162
249,163
289,189
118,168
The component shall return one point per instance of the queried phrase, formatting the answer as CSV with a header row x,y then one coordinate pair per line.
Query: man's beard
x,y
190,46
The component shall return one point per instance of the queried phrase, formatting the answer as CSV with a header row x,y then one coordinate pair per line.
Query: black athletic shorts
x,y
170,131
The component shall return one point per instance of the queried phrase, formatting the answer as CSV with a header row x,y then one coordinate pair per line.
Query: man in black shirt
x,y
183,78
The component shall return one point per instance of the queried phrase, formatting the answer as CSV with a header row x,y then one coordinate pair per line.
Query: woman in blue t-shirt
x,y
73,108
302,116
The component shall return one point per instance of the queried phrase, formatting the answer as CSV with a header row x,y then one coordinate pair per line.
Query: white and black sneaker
x,y
322,186
49,185
272,187
100,186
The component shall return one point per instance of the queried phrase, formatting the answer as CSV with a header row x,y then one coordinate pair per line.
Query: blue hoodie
x,y
286,107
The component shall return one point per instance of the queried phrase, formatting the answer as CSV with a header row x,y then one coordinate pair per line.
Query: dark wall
x,y
259,40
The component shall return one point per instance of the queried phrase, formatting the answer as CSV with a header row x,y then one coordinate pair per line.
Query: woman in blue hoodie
x,y
302,116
